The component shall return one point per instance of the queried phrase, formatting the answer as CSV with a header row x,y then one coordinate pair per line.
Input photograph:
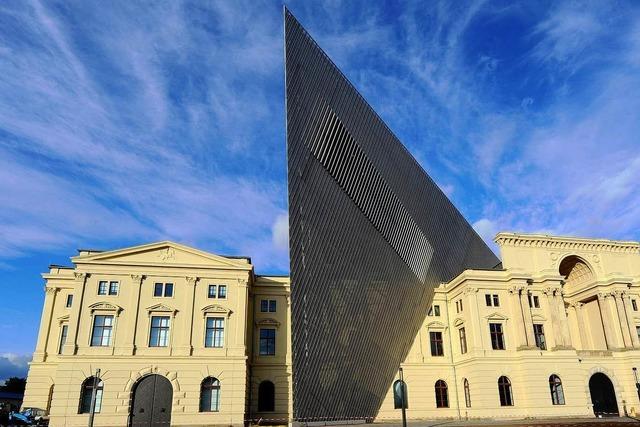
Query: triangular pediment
x,y
538,318
216,309
164,253
268,322
105,306
161,308
436,325
496,316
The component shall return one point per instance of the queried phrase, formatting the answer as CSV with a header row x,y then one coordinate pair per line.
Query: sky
x,y
129,122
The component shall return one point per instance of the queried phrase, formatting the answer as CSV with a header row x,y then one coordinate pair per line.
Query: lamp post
x,y
404,401
92,411
635,374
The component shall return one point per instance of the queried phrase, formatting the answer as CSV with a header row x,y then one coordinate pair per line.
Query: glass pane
x,y
264,306
157,290
168,289
222,291
212,291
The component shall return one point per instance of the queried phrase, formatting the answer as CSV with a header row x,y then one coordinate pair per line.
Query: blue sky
x,y
126,122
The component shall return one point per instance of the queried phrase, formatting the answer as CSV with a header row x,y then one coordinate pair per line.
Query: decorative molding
x,y
168,254
268,322
80,276
216,309
50,290
458,322
192,280
137,278
63,319
496,316
470,290
566,243
161,308
105,306
436,325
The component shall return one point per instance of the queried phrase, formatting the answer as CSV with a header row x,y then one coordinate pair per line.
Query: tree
x,y
14,385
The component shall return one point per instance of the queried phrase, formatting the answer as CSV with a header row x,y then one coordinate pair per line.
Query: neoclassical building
x,y
164,333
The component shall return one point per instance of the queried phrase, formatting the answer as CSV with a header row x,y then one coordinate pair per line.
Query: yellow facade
x,y
581,294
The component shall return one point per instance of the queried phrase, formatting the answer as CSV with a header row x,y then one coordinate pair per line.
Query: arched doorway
x,y
603,395
266,397
151,405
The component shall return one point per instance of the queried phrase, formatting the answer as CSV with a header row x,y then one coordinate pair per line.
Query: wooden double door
x,y
151,406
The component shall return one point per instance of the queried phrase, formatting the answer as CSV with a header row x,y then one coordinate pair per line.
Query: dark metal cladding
x,y
370,233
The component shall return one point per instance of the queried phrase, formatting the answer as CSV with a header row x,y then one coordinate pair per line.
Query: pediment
x,y
63,319
268,322
538,318
458,322
161,308
436,325
216,309
105,306
496,316
162,253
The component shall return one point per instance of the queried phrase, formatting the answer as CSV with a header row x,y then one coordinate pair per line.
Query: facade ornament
x,y
50,290
604,295
80,276
470,290
137,278
168,254
192,280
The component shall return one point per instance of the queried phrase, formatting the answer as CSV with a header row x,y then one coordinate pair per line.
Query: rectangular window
x,y
496,301
267,342
487,300
634,304
492,300
63,337
113,288
214,336
102,329
264,306
638,331
497,337
460,301
222,291
463,340
530,302
272,306
157,289
534,301
159,336
436,310
163,290
69,302
103,286
437,348
538,332
213,289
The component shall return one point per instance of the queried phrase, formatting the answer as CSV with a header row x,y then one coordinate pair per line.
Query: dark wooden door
x,y
603,395
151,406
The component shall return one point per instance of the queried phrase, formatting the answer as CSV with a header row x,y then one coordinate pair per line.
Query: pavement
x,y
563,422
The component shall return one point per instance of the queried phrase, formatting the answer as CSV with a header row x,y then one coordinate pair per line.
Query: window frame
x,y
442,394
556,390
634,304
462,334
269,342
62,339
505,391
499,336
213,385
103,287
163,288
160,329
214,329
114,288
539,337
215,291
436,341
69,302
467,392
222,291
103,328
87,388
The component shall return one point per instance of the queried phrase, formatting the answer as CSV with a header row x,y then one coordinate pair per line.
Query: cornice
x,y
562,242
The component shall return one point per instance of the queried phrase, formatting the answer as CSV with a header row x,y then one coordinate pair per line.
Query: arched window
x,y
467,393
266,397
555,386
210,395
442,395
86,392
504,389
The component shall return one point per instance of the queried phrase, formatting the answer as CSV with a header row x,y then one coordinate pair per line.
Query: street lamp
x,y
404,399
635,374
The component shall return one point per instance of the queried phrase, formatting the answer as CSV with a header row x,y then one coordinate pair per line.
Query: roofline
x,y
537,236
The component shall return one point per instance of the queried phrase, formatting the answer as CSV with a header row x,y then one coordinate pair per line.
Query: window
x,y
103,286
113,288
467,393
266,397
538,332
214,335
504,390
267,342
163,290
638,331
634,304
497,337
102,329
463,340
555,386
213,289
436,343
159,336
434,310
85,395
268,306
69,302
222,291
492,300
210,395
442,395
459,306
63,337
534,301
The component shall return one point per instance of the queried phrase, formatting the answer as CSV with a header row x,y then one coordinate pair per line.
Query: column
x,y
622,318
132,311
573,319
607,317
71,346
526,315
516,311
184,345
563,321
554,332
584,338
632,326
474,331
40,354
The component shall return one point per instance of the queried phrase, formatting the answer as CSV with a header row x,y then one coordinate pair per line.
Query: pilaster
x,y
132,313
71,346
631,324
40,354
471,294
185,342
622,318
604,302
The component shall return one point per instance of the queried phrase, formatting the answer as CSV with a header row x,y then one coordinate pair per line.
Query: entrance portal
x,y
151,406
603,395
